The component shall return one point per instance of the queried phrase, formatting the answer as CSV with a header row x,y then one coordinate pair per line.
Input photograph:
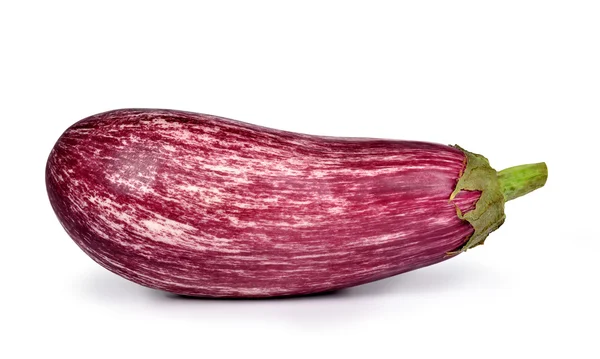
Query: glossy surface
x,y
205,206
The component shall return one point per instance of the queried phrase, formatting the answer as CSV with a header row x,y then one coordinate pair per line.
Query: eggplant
x,y
201,205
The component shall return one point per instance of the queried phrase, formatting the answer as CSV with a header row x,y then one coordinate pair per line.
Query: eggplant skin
x,y
201,205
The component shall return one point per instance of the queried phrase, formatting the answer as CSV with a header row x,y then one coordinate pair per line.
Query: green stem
x,y
520,180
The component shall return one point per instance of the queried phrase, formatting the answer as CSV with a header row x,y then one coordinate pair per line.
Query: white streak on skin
x,y
166,230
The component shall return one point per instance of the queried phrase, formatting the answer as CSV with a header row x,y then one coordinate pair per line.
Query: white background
x,y
518,81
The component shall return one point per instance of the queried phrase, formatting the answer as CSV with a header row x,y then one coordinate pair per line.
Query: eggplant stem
x,y
519,180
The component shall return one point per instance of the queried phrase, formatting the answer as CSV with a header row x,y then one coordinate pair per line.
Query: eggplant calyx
x,y
488,214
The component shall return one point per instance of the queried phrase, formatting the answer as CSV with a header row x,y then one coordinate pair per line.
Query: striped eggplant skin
x,y
201,205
